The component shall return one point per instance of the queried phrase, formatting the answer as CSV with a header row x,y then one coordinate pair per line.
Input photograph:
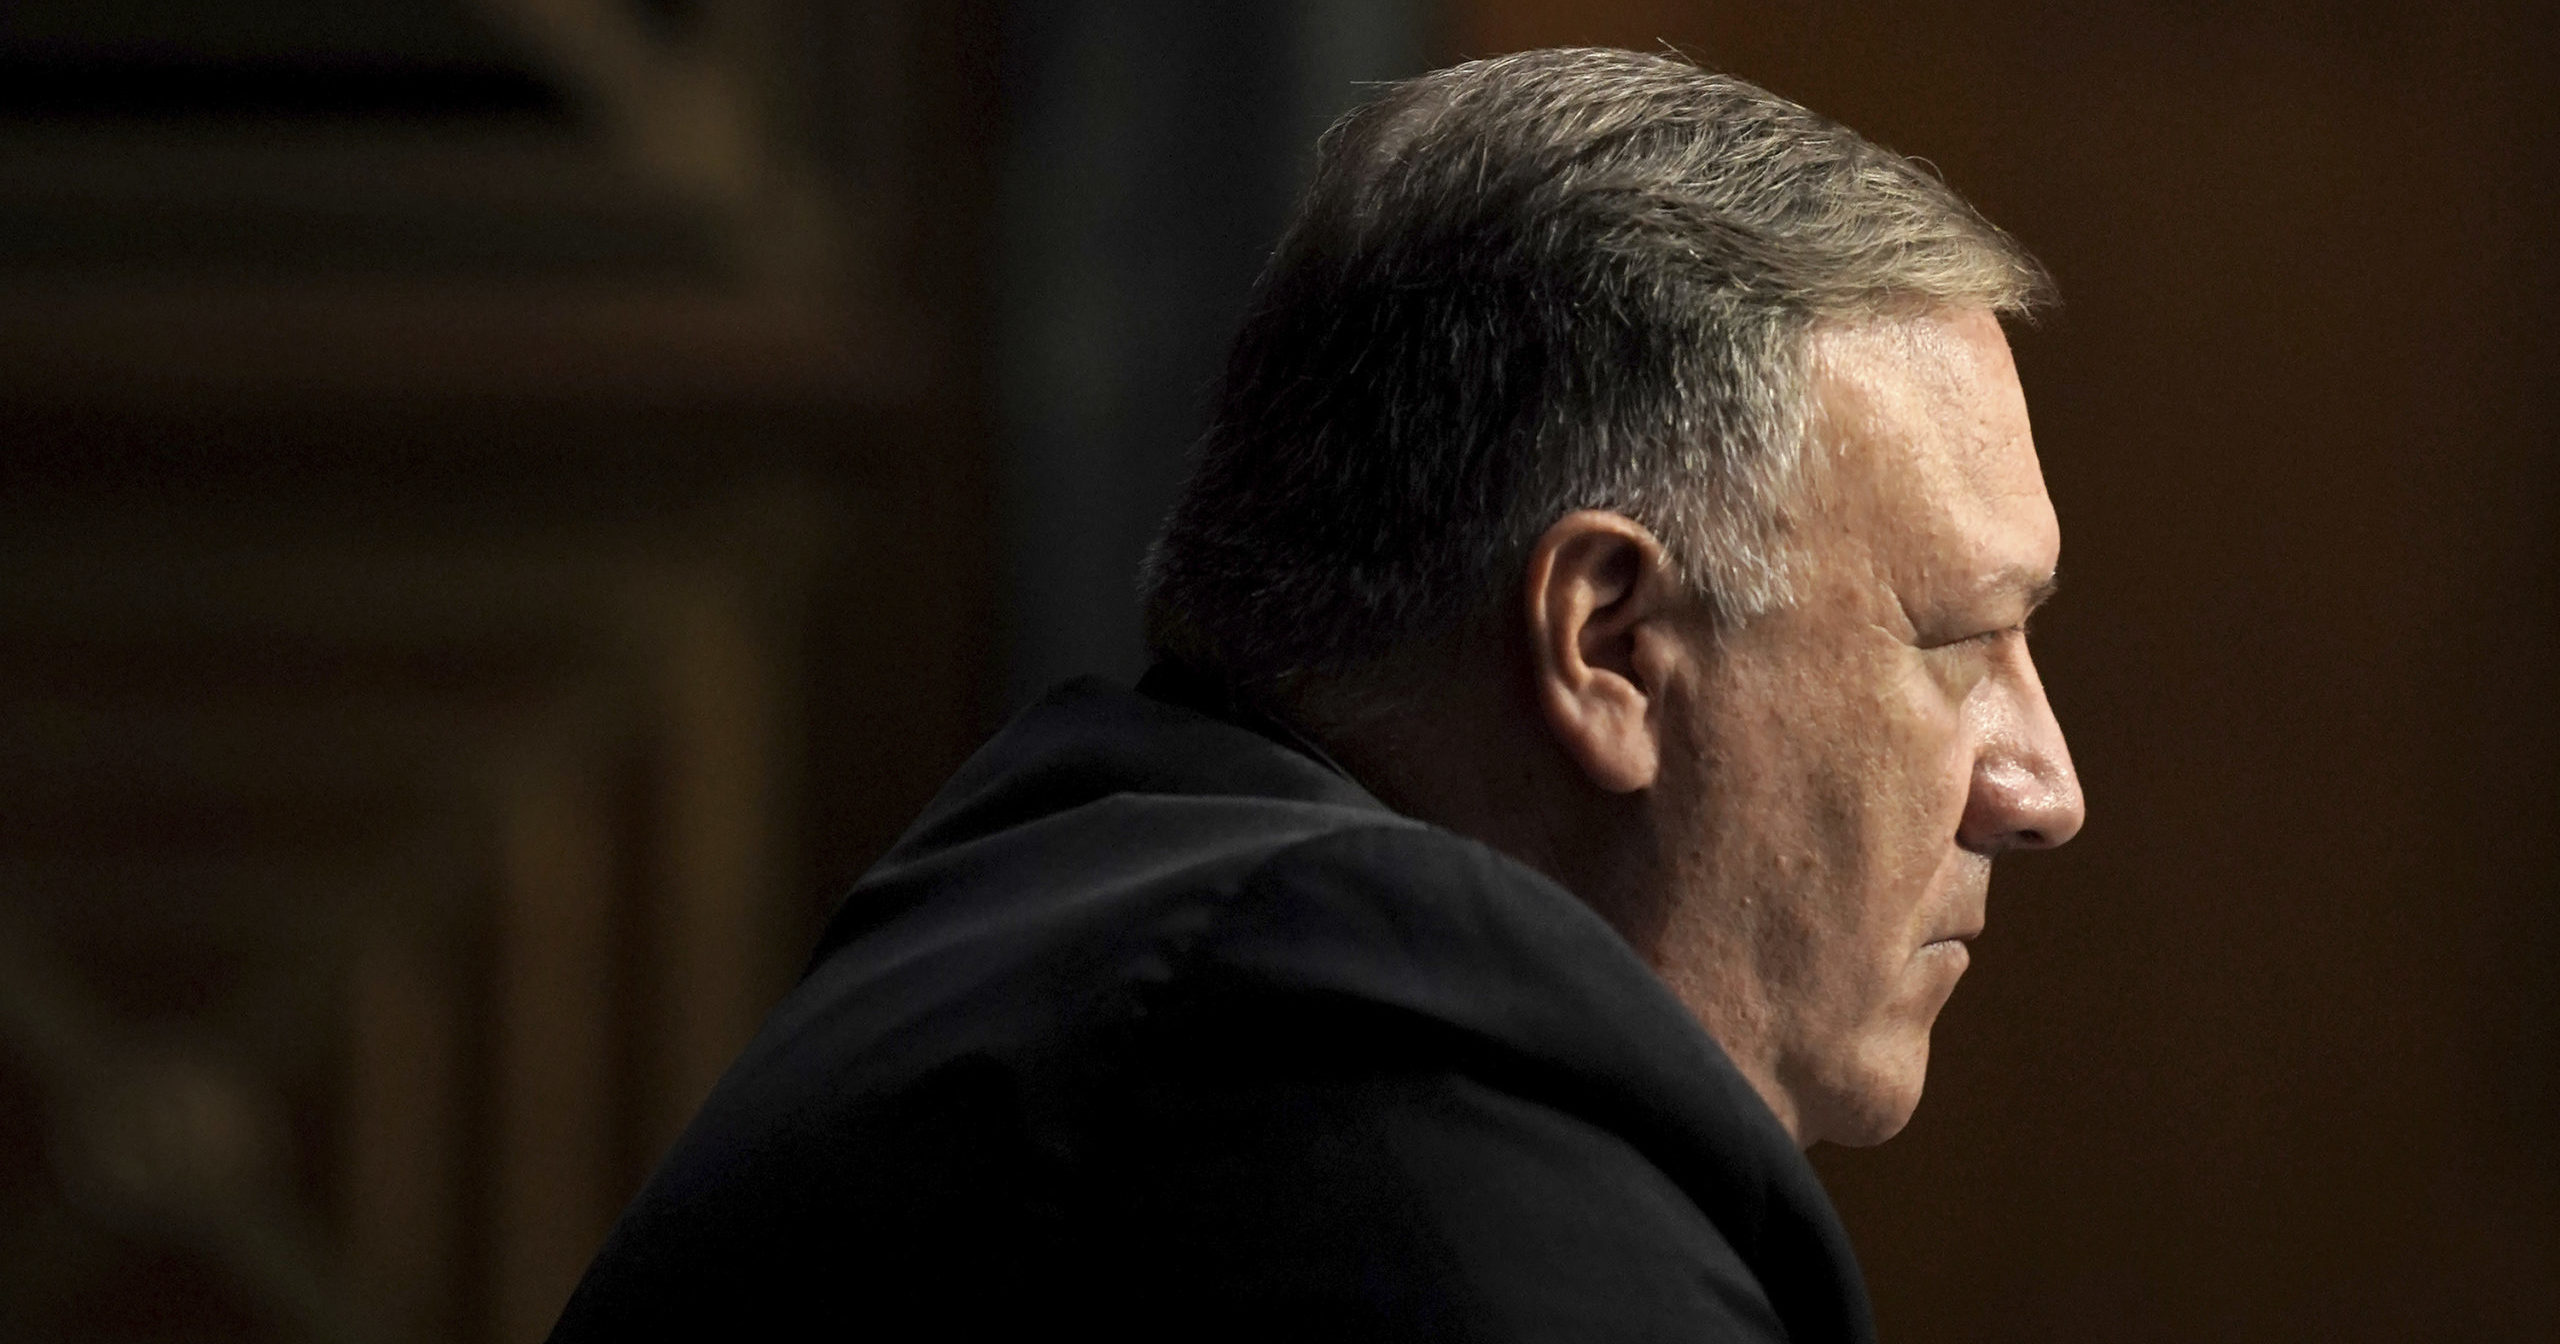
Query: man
x,y
1593,688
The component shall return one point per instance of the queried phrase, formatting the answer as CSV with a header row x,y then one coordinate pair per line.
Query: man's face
x,y
1837,777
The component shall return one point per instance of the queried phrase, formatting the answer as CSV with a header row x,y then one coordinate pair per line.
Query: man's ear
x,y
1596,588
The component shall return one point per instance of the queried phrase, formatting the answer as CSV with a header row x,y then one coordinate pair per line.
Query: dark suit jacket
x,y
1157,1024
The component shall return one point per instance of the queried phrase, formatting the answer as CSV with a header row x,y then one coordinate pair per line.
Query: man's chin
x,y
1878,1099
1868,1127
1875,1095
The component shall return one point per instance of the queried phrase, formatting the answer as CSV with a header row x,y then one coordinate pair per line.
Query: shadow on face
x,y
1845,769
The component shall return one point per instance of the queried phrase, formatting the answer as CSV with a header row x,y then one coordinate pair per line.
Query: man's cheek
x,y
1926,777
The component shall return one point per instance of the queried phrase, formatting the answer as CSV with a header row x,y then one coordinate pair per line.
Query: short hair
x,y
1523,286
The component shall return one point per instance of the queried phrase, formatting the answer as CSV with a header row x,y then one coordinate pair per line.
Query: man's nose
x,y
2025,794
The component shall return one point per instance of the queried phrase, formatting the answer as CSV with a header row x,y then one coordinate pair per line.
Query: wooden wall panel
x,y
486,551
402,1156
550,1176
376,905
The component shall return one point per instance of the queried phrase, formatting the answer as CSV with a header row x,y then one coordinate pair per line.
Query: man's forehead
x,y
1939,383
1931,458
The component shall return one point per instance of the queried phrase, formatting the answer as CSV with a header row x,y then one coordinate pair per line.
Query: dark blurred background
x,y
507,505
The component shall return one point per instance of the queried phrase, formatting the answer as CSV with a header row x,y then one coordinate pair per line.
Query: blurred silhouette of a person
x,y
1592,690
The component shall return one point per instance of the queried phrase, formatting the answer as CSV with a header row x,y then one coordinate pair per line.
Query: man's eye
x,y
1979,638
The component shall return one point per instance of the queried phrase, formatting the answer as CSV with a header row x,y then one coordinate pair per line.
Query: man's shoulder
x,y
1111,857
1136,978
1030,938
1420,921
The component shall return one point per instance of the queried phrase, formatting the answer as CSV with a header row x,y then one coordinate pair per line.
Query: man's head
x,y
1625,466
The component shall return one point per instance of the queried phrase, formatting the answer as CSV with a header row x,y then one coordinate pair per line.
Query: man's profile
x,y
1591,690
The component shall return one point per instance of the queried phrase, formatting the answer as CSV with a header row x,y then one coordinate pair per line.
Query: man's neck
x,y
1469,760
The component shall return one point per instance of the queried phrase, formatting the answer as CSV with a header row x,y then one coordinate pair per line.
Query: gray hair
x,y
1523,286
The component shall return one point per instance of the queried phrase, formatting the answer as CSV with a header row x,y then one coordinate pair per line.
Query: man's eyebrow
x,y
2037,586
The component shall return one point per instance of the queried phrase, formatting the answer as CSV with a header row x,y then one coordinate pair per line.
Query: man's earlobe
x,y
1596,584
